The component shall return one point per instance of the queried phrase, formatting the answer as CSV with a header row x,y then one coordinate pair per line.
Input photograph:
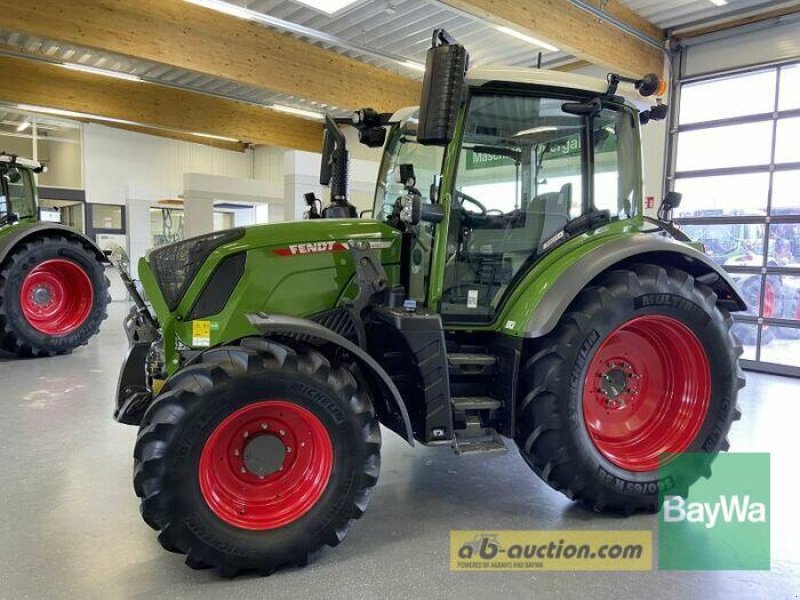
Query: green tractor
x,y
507,290
53,287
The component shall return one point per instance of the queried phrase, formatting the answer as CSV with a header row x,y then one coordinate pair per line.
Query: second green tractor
x,y
507,290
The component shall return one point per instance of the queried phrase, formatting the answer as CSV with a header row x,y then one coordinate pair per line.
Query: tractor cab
x,y
17,189
527,169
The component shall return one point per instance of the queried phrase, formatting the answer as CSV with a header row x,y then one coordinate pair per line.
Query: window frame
x,y
765,271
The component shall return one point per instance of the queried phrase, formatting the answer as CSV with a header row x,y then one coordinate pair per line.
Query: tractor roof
x,y
26,163
543,77
550,78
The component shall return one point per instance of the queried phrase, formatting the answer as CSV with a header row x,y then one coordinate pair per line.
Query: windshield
x,y
402,148
526,169
518,151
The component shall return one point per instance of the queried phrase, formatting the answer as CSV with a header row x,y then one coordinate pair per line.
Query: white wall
x,y
121,165
116,161
750,45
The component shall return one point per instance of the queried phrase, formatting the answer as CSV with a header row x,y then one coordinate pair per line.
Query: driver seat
x,y
546,215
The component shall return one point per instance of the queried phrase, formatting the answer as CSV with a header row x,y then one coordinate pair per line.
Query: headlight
x,y
176,265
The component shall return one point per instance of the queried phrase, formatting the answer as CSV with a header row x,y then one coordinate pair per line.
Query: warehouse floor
x,y
70,524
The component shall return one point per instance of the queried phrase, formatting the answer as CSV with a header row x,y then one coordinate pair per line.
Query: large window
x,y
522,176
737,164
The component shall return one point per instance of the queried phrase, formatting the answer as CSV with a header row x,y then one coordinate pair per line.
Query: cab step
x,y
489,442
469,363
465,403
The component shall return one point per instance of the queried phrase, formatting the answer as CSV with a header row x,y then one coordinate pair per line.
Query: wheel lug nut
x,y
245,434
282,432
244,470
236,452
264,426
288,450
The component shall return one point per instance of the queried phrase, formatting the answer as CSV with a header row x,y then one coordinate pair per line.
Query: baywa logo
x,y
723,524
731,509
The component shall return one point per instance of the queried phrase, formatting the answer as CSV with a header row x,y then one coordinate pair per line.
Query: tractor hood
x,y
295,268
316,235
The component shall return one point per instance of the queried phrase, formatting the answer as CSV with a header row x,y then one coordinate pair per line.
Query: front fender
x,y
544,305
283,324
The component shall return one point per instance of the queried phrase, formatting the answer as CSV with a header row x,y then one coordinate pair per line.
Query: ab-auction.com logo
x,y
551,550
723,524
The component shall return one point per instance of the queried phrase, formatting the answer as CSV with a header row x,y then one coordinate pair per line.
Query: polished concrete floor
x,y
70,525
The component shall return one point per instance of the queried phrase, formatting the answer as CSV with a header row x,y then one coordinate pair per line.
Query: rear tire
x,y
574,415
198,488
53,297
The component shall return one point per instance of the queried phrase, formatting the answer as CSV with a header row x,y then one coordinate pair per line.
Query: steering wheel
x,y
467,198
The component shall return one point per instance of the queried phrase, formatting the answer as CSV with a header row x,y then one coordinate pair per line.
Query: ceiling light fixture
x,y
535,130
414,65
224,7
309,114
73,114
70,113
23,126
211,136
719,2
329,7
526,38
99,71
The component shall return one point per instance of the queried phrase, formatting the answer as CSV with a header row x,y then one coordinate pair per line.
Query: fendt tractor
x,y
53,286
506,289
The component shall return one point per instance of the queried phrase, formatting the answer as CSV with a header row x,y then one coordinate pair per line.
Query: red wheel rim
x,y
56,297
769,300
272,485
647,392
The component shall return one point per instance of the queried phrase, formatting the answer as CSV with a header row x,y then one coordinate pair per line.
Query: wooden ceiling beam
x,y
186,36
777,13
574,30
142,104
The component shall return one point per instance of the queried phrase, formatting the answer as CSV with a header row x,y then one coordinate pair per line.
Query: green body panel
x,y
18,227
528,293
282,276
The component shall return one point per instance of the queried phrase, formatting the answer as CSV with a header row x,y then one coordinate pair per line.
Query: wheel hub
x,y
618,384
264,454
42,295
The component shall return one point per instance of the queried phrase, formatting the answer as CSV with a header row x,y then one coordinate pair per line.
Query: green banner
x,y
723,523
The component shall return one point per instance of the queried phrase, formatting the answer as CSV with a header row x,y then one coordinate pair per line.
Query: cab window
x,y
522,176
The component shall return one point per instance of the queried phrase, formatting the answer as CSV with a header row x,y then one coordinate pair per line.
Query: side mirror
x,y
442,89
671,201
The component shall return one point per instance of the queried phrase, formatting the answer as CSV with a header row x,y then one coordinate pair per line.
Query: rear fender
x,y
381,382
636,248
22,233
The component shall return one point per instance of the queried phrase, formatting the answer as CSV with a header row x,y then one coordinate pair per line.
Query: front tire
x,y
623,383
53,297
256,456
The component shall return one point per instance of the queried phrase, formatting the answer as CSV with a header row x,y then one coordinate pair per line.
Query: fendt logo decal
x,y
323,247
311,248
